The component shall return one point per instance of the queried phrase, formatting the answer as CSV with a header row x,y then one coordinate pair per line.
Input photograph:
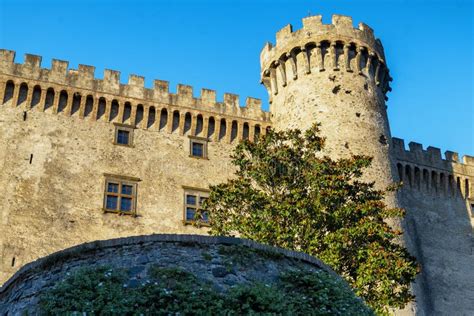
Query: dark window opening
x,y
163,118
151,117
9,89
36,97
62,101
114,110
123,135
211,127
101,108
89,106
49,99
139,114
76,103
23,93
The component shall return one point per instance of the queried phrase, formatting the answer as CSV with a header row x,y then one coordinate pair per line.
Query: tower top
x,y
341,29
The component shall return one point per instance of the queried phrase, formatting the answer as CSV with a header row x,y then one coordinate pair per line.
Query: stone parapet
x,y
319,47
84,79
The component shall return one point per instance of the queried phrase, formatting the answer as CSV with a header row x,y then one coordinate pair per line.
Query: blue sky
x,y
216,45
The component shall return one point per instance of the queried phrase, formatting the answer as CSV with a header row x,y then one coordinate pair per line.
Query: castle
x,y
85,159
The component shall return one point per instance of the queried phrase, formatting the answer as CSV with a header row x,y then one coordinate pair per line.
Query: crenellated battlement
x,y
427,170
429,157
83,78
323,47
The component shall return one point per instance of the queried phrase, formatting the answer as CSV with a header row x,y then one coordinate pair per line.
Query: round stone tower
x,y
336,75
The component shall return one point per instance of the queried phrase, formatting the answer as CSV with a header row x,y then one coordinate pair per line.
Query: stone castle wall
x,y
335,75
221,261
57,149
438,195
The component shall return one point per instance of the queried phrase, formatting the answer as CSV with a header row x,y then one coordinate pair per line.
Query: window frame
x,y
198,140
199,193
126,128
121,181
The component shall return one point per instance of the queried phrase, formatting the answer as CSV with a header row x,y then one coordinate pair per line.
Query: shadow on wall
x,y
438,197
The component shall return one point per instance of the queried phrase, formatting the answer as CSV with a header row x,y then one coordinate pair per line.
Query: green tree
x,y
285,193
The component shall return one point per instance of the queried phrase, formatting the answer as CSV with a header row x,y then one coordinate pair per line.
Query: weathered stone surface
x,y
20,295
55,150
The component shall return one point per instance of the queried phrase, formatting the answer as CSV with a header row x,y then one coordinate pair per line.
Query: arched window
x,y
49,99
458,184
211,127
199,124
408,175
76,103
101,108
466,188
187,122
151,117
114,110
400,171
175,120
163,118
234,131
23,93
62,101
139,115
127,112
246,131
223,129
9,89
36,97
89,106
257,132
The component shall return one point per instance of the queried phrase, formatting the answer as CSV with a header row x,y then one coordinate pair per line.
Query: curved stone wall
x,y
214,259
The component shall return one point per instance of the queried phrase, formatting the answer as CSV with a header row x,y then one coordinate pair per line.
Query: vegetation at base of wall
x,y
105,291
286,193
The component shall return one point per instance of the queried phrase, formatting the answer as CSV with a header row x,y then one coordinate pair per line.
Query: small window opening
x,y
193,206
123,135
198,147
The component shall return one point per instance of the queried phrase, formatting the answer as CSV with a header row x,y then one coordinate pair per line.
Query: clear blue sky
x,y
216,45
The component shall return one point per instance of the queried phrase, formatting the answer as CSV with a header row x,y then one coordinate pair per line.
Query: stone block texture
x,y
57,148
223,262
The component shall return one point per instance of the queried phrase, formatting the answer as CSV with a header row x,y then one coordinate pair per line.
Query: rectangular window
x,y
120,195
198,147
123,135
193,200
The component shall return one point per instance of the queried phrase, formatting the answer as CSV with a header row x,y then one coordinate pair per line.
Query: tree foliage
x,y
285,193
